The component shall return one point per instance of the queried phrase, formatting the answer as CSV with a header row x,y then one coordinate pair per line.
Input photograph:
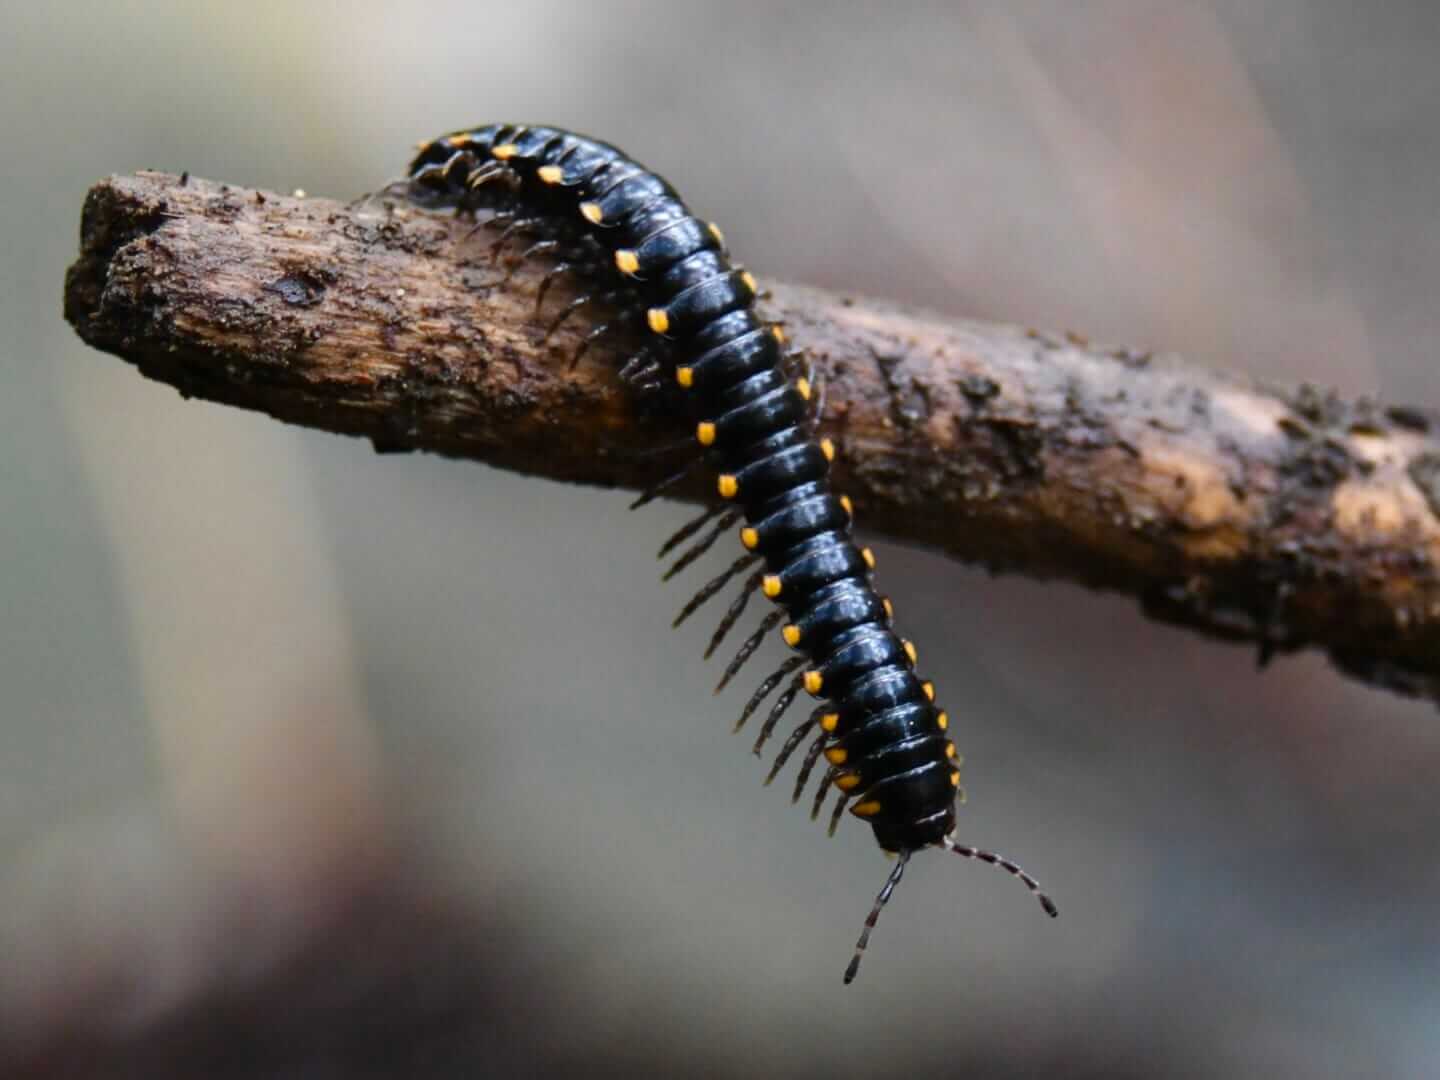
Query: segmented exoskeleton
x,y
619,225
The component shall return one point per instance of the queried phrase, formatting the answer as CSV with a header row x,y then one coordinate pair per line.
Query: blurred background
x,y
318,763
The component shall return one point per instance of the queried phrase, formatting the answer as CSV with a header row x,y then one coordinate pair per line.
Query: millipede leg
x,y
655,490
767,687
748,647
704,544
568,310
543,247
612,298
690,528
783,702
548,280
825,782
874,916
808,765
837,813
467,157
710,588
642,359
647,378
732,616
796,738
484,175
518,225
588,340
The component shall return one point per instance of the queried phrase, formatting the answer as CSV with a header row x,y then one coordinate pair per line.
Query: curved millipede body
x,y
623,230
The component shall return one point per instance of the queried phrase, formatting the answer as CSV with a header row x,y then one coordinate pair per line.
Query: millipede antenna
x,y
1006,865
874,916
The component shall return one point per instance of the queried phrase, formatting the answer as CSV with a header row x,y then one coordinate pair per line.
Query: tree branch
x,y
1283,518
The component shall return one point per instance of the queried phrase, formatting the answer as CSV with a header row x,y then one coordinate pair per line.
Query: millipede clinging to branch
x,y
622,229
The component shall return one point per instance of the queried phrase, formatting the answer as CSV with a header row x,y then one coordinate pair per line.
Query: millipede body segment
x,y
631,240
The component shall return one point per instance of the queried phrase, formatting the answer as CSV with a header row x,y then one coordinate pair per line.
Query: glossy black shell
x,y
886,743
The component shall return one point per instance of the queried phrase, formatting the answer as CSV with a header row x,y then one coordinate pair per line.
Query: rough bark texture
x,y
1285,518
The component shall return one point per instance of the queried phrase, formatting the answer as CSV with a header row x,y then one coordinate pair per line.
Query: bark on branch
x,y
1284,518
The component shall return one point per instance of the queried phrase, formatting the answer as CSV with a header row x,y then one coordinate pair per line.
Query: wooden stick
x,y
1285,518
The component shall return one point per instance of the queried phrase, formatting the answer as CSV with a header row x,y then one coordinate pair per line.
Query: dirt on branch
x,y
1286,518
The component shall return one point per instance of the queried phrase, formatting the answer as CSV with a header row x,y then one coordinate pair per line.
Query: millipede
x,y
755,406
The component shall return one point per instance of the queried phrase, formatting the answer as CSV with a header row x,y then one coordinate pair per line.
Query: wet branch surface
x,y
1286,518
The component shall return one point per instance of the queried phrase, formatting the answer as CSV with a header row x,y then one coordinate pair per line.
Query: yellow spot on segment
x,y
749,280
847,505
779,333
716,233
591,212
847,781
890,614
802,387
627,261
659,319
685,377
770,585
955,778
750,538
830,721
950,751
910,650
550,174
828,449
727,486
929,688
457,141
705,433
505,151
836,755
869,557
791,634
943,721
813,682
866,809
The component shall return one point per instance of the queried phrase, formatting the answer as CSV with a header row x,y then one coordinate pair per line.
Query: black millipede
x,y
630,240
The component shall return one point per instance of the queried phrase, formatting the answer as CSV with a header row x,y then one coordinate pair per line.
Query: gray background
x,y
321,763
